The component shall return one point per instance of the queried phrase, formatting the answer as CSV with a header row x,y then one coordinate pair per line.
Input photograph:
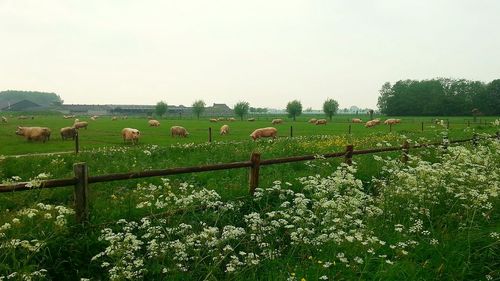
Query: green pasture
x,y
68,255
105,132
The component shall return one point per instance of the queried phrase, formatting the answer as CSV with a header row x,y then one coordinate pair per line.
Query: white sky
x,y
266,52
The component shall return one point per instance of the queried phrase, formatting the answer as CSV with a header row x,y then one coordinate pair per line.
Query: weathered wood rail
x,y
81,180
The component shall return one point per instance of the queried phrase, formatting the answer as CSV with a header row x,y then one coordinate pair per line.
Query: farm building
x,y
218,109
23,105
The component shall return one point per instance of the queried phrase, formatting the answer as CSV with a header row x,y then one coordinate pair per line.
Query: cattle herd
x,y
132,135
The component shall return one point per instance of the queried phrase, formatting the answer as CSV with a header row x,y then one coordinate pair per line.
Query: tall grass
x,y
433,218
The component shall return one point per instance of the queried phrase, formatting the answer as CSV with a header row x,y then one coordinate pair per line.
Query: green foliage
x,y
241,109
198,108
330,107
41,98
161,108
491,103
443,96
294,109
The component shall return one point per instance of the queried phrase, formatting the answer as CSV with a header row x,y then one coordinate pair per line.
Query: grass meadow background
x,y
105,132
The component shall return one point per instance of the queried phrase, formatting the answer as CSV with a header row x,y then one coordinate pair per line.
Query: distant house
x,y
218,109
23,105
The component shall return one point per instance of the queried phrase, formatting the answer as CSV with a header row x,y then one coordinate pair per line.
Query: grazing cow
x,y
277,121
130,134
178,131
232,119
22,117
114,118
213,120
356,120
224,130
312,120
269,132
34,133
251,119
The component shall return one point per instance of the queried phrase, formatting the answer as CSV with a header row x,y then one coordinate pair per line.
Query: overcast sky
x,y
265,52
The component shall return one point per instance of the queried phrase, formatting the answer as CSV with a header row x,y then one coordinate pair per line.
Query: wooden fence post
x,y
422,126
291,131
447,124
253,179
349,129
468,123
209,134
390,128
77,143
348,154
81,192
406,151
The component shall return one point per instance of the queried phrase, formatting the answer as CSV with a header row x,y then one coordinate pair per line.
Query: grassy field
x,y
380,221
105,132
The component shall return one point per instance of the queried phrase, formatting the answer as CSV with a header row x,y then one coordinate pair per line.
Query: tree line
x,y
440,96
40,98
242,108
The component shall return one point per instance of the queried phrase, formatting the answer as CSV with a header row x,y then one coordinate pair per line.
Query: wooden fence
x,y
81,180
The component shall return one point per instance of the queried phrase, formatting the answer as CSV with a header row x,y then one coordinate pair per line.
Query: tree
x,y
330,107
198,107
294,109
241,108
161,108
440,96
40,98
491,99
385,94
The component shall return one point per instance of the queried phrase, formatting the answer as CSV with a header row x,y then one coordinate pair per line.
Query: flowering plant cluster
x,y
20,250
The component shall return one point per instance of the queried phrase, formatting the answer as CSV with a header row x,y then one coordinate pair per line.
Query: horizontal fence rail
x,y
170,171
82,180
